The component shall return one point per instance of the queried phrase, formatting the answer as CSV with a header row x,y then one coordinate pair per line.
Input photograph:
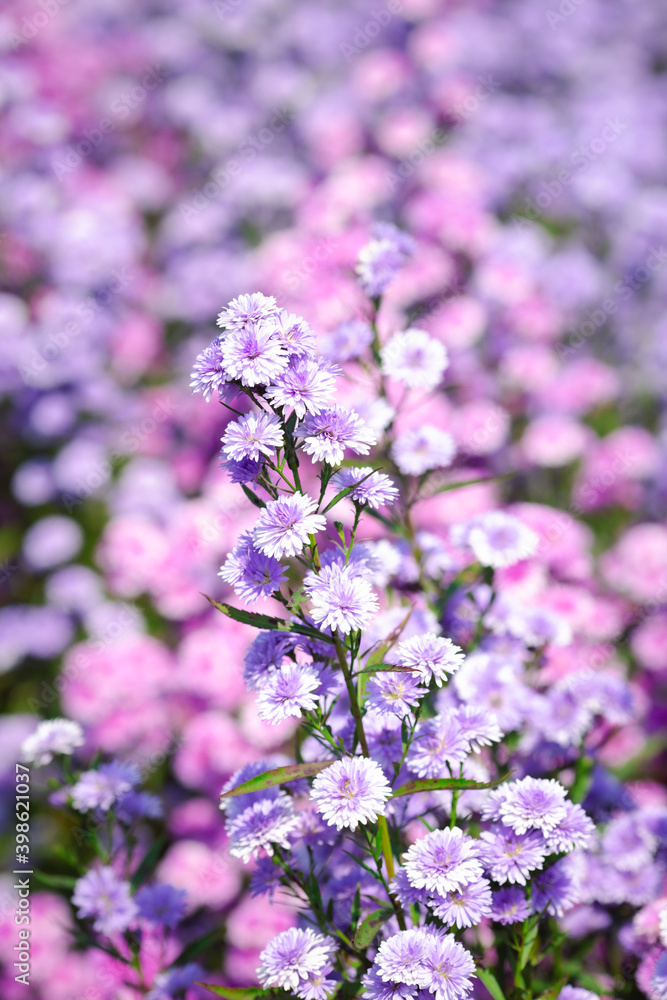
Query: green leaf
x,y
393,667
278,776
529,939
355,911
267,621
491,983
253,498
467,482
438,784
56,881
345,493
369,927
234,993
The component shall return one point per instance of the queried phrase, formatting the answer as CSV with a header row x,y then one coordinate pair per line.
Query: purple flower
x,y
351,791
254,355
554,890
208,374
510,856
497,539
629,843
449,967
293,332
479,727
166,984
658,979
510,906
394,693
102,895
432,656
438,742
533,804
575,830
576,993
418,451
414,358
132,806
237,804
385,742
377,490
251,436
100,789
57,736
340,599
304,387
265,653
400,958
250,572
288,691
247,310
380,260
328,433
376,989
161,904
463,907
258,828
349,340
284,525
246,471
292,958
443,861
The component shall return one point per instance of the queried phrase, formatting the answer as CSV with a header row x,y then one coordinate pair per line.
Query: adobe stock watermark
x,y
247,151
299,273
120,108
565,9
31,26
365,34
225,7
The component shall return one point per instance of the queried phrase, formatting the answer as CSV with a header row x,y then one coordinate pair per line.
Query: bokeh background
x,y
159,158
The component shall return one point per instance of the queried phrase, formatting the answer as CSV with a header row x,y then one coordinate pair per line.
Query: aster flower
x,y
340,598
208,374
236,804
449,966
576,993
510,906
432,656
629,843
658,979
394,693
400,958
497,539
377,490
533,804
250,572
253,355
161,904
554,891
252,435
304,387
56,736
102,895
265,653
510,856
380,260
443,861
385,742
287,692
262,825
167,984
293,332
575,830
349,340
479,726
415,359
438,742
463,907
418,451
291,958
284,525
247,310
351,791
101,788
248,470
376,989
328,433
407,894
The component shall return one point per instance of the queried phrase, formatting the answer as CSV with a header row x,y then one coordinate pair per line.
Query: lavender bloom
x,y
418,451
510,906
432,656
162,905
262,825
383,733
254,355
166,984
102,895
288,691
246,471
208,374
497,539
554,891
438,742
328,433
443,861
629,843
380,260
376,989
533,804
289,961
237,804
658,979
294,333
349,340
394,693
479,727
57,736
463,907
265,653
415,359
407,893
100,789
377,490
340,599
251,436
400,958
511,857
449,967
132,806
304,387
284,525
250,572
351,791
247,310
575,830
576,993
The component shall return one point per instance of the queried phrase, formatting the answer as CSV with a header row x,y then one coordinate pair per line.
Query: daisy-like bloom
x,y
247,310
554,891
479,727
293,332
510,906
347,341
265,653
328,433
250,572
511,857
284,525
293,957
497,539
399,959
340,598
380,260
463,907
377,490
304,387
576,830
420,450
385,743
208,374
438,742
443,861
57,736
234,806
253,355
432,656
576,993
533,804
102,788
415,359
162,905
352,791
629,843
394,693
252,435
246,471
449,967
102,895
407,894
376,989
262,825
288,691
317,986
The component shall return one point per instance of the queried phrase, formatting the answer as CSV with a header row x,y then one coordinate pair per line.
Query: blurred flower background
x,y
162,156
